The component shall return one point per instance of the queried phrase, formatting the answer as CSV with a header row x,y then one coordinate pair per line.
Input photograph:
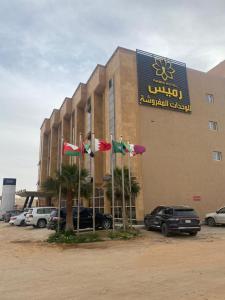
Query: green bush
x,y
123,235
69,237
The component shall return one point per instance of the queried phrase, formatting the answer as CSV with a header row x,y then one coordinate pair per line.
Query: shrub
x,y
123,235
69,237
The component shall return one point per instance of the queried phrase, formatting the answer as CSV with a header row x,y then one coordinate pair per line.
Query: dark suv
x,y
101,220
173,219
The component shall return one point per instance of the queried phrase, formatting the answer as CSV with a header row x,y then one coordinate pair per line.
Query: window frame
x,y
210,98
213,125
217,155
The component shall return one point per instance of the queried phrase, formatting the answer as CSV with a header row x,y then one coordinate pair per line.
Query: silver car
x,y
215,218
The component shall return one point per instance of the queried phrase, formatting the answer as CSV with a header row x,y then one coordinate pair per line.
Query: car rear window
x,y
185,212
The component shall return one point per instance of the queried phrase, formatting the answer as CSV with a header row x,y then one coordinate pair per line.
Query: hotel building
x,y
177,113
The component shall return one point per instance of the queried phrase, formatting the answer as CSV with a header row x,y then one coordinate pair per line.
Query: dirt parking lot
x,y
149,267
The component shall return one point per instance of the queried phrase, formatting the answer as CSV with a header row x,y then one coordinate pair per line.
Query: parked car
x,y
8,214
103,221
19,220
215,218
173,219
38,216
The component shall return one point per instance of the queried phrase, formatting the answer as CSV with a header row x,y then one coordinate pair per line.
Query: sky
x,y
48,46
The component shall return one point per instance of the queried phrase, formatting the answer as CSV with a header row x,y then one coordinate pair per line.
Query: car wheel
x,y
41,223
146,226
211,222
193,233
164,229
106,224
22,223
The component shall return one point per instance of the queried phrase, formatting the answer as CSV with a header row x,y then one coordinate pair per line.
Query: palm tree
x,y
118,192
69,179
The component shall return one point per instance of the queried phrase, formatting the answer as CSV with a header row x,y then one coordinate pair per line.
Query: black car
x,y
103,221
173,219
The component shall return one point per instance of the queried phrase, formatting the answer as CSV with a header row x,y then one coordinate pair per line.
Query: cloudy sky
x,y
48,46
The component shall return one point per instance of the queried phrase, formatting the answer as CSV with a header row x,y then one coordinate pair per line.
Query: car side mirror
x,y
217,211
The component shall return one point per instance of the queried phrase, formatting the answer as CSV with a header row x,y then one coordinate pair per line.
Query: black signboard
x,y
162,82
9,181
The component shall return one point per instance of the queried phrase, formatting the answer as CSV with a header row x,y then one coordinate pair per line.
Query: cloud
x,y
49,46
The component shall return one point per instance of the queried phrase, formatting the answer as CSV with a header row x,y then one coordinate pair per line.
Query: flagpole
x,y
130,190
123,195
79,171
93,179
112,174
60,186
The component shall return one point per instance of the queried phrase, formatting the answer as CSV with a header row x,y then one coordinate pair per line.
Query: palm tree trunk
x,y
69,211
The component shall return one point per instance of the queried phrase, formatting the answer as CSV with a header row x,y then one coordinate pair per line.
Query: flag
x,y
130,149
134,149
71,150
101,145
138,149
87,149
119,147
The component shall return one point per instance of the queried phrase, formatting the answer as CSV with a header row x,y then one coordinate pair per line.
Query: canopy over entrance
x,y
29,195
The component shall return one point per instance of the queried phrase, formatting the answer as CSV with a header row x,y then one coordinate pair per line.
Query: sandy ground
x,y
149,267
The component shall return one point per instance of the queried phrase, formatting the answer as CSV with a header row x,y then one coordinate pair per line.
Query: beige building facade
x,y
184,162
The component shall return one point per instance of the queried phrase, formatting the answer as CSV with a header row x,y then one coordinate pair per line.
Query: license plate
x,y
187,221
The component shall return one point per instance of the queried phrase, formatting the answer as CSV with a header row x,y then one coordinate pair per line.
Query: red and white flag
x,y
101,145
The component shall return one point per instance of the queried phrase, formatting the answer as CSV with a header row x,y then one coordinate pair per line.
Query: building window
x,y
217,155
112,113
88,105
110,83
99,200
111,108
119,210
209,98
212,125
88,129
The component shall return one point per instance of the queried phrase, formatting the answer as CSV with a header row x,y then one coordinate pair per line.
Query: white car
x,y
38,216
19,220
215,218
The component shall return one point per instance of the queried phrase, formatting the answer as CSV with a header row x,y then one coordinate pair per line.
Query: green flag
x,y
119,147
127,147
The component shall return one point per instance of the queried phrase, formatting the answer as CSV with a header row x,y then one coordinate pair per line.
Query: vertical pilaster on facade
x,y
53,151
44,153
80,126
107,204
39,163
44,158
98,127
66,137
59,138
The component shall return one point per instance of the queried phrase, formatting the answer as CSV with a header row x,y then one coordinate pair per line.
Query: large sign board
x,y
162,82
8,195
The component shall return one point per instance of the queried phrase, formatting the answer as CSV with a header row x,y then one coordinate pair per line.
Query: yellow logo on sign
x,y
163,68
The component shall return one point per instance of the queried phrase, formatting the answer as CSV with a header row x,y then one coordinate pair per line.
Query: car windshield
x,y
185,212
30,211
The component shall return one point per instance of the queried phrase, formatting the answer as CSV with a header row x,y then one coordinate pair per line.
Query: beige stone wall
x,y
178,162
